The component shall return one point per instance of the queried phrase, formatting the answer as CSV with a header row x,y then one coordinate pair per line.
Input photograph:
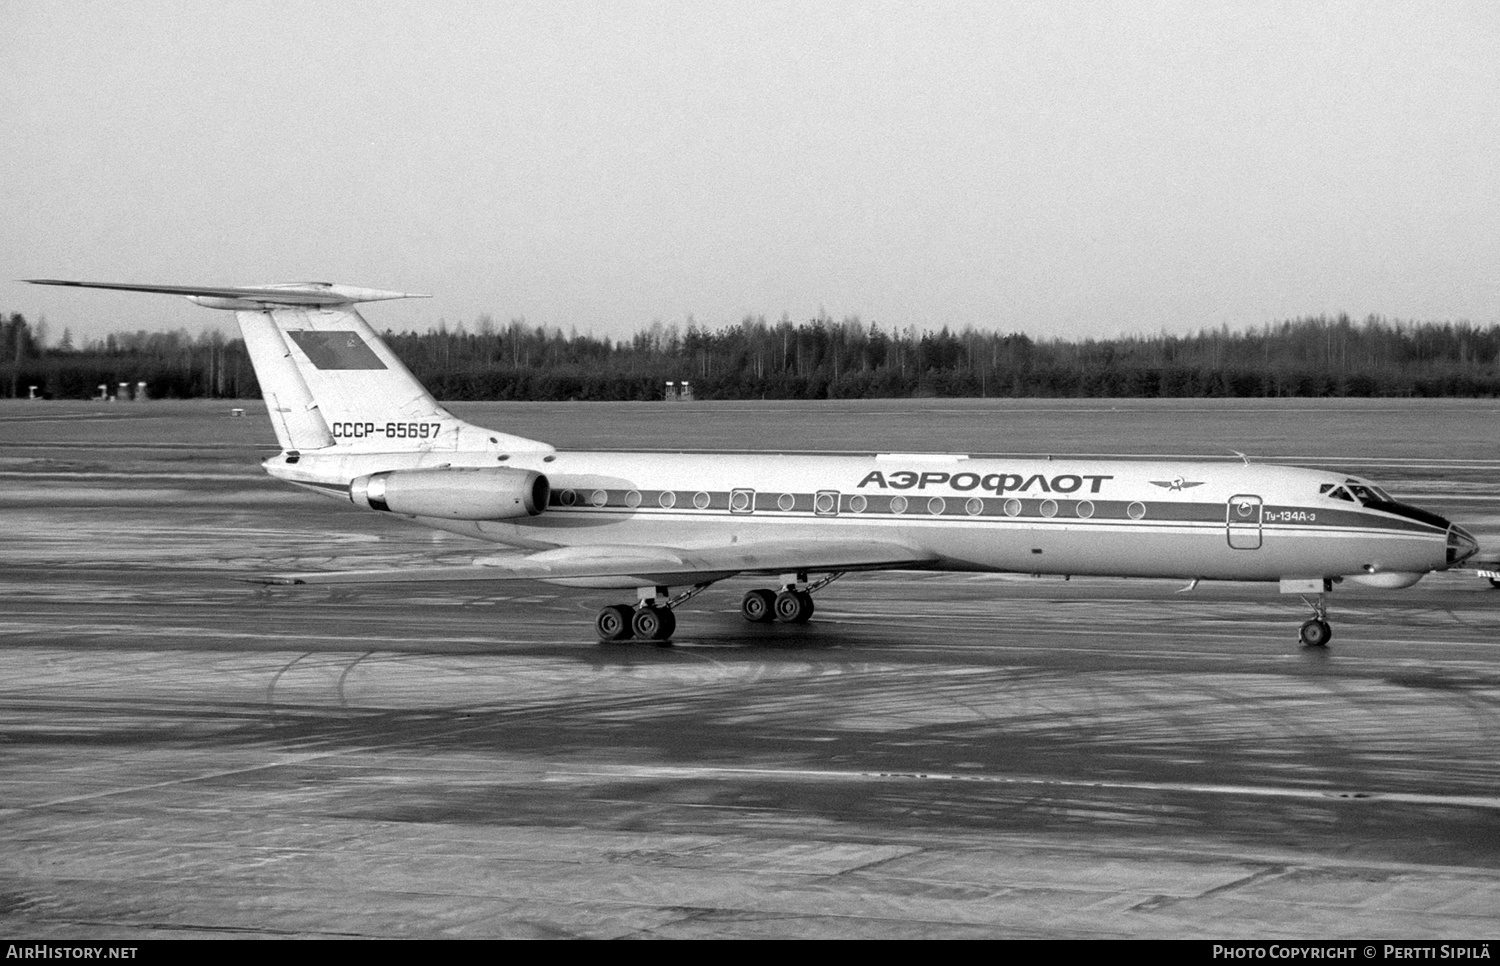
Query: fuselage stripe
x,y
954,509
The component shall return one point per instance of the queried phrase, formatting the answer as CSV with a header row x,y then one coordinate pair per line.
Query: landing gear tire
x,y
1315,633
759,606
794,606
653,624
614,623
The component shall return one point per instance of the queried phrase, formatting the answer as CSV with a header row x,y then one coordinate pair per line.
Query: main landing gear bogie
x,y
651,619
648,622
793,605
764,606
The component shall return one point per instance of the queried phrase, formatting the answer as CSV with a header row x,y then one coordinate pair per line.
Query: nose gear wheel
x,y
1316,632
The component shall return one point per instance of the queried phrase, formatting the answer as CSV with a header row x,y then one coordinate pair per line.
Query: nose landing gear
x,y
1316,632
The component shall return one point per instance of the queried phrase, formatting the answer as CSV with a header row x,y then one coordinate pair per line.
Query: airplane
x,y
354,425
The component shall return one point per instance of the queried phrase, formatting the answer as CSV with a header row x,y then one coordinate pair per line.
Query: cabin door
x,y
1243,521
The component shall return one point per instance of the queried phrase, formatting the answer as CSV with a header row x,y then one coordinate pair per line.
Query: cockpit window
x,y
1335,492
1368,493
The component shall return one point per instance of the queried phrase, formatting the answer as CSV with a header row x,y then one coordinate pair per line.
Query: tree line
x,y
816,359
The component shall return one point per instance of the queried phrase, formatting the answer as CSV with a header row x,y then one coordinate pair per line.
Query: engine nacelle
x,y
454,493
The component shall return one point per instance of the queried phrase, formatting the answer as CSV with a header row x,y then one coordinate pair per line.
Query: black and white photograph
x,y
772,470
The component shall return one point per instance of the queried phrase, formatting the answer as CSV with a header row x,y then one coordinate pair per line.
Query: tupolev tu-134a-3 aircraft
x,y
356,426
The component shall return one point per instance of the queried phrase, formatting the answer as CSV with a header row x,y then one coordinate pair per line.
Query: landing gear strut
x,y
651,619
794,605
1316,632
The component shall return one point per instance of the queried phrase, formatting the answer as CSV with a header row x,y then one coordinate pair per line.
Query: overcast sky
x,y
1062,169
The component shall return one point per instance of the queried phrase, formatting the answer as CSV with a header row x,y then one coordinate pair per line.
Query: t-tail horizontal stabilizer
x,y
329,381
250,296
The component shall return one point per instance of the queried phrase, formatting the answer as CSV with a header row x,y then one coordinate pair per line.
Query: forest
x,y
816,359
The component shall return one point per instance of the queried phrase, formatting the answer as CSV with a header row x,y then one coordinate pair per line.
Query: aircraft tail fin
x,y
328,379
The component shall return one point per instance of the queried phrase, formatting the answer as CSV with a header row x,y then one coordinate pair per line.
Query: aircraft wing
x,y
643,565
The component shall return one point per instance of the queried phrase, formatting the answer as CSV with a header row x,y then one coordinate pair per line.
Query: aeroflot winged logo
x,y
1177,484
992,482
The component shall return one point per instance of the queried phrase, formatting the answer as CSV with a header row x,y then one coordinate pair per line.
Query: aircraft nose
x,y
1461,545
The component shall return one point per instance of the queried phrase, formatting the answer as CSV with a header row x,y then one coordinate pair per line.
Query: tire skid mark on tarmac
x,y
312,750
680,772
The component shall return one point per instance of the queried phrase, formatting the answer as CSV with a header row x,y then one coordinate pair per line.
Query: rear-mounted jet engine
x,y
454,493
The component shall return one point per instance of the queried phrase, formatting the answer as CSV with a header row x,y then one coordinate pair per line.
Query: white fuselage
x,y
1139,518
